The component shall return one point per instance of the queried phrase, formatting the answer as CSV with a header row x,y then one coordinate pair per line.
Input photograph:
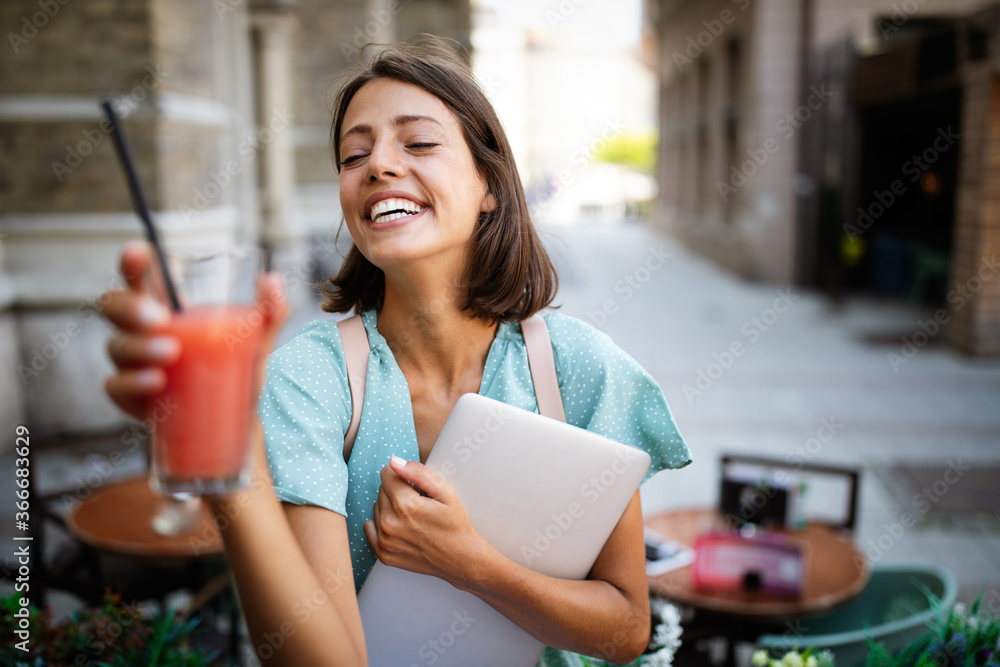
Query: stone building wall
x,y
974,283
66,211
718,110
224,105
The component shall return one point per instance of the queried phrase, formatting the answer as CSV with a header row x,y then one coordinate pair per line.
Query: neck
x,y
430,335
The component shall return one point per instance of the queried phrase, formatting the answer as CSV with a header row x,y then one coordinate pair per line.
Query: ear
x,y
489,203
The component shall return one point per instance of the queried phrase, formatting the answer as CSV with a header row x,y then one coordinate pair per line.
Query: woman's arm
x,y
606,615
292,566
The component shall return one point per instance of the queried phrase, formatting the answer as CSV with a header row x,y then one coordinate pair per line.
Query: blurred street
x,y
810,363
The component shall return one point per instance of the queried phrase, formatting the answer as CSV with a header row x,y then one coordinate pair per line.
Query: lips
x,y
389,206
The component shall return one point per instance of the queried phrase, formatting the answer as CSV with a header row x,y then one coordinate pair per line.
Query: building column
x,y
273,25
974,287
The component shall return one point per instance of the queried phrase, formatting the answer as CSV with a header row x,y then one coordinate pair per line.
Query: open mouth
x,y
393,208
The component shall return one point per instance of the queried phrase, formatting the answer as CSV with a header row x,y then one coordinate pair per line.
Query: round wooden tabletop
x,y
118,517
834,571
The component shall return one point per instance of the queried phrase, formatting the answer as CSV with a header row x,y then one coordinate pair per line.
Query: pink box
x,y
769,563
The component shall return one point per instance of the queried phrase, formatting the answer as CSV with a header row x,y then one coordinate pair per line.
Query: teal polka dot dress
x,y
305,409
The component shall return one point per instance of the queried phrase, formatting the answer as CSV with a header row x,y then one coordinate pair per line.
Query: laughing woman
x,y
445,265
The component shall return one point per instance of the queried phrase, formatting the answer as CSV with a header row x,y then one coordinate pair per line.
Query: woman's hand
x,y
139,350
429,534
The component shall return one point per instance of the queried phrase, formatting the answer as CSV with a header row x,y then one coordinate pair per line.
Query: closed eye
x,y
350,159
422,145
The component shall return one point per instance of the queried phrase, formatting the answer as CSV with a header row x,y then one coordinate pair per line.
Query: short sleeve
x,y
606,391
305,409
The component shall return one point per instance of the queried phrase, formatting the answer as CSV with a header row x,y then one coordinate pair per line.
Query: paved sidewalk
x,y
804,363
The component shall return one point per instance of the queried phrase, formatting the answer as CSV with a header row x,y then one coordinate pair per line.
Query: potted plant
x,y
961,637
113,635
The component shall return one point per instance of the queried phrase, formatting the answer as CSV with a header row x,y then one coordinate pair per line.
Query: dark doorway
x,y
901,235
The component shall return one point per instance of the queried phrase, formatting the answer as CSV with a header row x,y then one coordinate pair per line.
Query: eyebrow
x,y
364,128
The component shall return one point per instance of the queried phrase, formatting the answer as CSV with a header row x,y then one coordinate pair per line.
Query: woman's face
x,y
409,187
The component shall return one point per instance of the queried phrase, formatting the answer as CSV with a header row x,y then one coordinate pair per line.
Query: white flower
x,y
667,635
792,659
812,662
760,658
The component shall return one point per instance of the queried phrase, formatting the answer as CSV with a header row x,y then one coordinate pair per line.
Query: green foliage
x,y
632,149
113,635
959,637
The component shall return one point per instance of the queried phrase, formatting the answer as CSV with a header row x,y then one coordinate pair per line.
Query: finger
x,y
395,487
132,390
272,305
129,350
134,311
372,534
137,260
417,474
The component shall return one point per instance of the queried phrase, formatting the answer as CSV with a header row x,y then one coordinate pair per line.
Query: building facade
x,y
225,106
840,145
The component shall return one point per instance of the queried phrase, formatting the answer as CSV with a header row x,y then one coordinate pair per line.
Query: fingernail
x,y
134,245
147,377
275,281
398,461
163,346
152,313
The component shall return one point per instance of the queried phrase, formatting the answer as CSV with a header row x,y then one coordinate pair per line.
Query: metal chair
x,y
767,479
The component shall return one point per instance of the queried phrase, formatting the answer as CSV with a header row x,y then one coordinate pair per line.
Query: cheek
x,y
347,189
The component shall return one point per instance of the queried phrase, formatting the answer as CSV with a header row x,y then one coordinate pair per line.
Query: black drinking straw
x,y
139,199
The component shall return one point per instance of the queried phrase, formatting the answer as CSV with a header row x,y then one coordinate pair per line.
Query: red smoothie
x,y
209,394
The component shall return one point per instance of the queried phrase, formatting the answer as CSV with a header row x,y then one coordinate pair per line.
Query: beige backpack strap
x,y
356,351
543,367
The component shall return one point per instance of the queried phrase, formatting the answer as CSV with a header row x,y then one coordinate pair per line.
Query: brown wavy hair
x,y
509,276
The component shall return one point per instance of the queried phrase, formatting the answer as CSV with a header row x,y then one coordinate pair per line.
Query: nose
x,y
385,161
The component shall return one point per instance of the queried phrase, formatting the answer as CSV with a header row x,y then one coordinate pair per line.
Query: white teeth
x,y
400,208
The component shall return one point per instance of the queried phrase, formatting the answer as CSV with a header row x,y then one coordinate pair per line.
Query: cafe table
x,y
118,517
834,572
